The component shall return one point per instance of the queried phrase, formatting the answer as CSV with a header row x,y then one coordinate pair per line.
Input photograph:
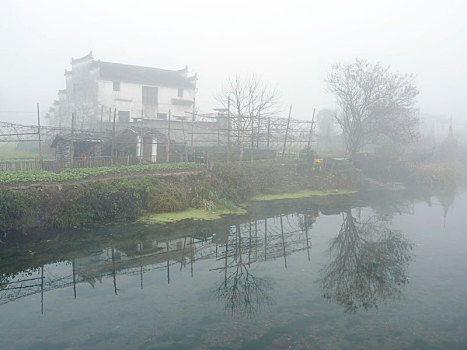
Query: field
x,y
12,151
18,176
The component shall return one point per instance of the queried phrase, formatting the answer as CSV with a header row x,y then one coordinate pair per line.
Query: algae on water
x,y
300,194
191,214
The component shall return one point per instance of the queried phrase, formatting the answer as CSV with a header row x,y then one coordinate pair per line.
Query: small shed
x,y
85,145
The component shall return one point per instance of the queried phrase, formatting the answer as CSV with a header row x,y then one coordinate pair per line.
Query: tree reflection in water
x,y
241,291
368,264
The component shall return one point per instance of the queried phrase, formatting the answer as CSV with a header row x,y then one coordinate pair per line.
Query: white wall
x,y
129,98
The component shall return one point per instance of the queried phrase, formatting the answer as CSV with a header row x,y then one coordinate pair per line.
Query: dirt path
x,y
107,177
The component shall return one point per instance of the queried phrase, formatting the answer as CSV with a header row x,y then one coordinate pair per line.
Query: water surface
x,y
371,271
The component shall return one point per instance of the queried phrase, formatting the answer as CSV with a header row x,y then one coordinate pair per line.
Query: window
x,y
162,116
149,95
116,86
180,92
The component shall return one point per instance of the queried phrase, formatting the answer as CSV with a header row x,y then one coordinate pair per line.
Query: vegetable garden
x,y
17,176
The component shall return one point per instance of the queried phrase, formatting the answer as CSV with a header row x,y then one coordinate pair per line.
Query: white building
x,y
95,90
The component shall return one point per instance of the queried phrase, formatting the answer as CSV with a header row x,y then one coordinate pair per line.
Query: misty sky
x,y
290,44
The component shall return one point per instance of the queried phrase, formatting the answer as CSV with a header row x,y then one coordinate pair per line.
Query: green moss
x,y
189,214
300,194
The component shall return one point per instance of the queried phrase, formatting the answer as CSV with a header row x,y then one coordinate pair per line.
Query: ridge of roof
x,y
144,75
79,59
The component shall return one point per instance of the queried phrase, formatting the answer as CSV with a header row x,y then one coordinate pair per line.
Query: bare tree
x,y
373,103
251,102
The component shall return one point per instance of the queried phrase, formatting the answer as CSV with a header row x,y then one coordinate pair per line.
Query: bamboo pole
x,y
311,129
252,138
184,141
39,137
229,126
168,140
286,132
102,118
269,132
113,137
72,146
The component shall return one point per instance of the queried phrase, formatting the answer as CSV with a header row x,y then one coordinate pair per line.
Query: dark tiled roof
x,y
144,75
88,137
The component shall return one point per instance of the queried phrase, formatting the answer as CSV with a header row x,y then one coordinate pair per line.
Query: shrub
x,y
307,155
165,197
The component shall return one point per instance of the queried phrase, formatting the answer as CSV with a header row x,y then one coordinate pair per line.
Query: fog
x,y
290,44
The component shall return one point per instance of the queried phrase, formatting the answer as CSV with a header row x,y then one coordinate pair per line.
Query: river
x,y
372,271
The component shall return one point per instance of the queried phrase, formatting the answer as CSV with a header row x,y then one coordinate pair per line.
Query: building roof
x,y
145,75
89,56
81,137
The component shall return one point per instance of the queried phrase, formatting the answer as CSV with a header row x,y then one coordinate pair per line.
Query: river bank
x,y
97,201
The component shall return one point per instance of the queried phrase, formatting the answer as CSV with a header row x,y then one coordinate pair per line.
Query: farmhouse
x,y
95,90
149,113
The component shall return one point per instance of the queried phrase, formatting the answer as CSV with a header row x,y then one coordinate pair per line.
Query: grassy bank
x,y
204,195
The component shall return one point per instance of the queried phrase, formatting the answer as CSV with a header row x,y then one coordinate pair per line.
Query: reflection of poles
x,y
237,237
249,246
114,272
182,260
226,256
42,289
74,277
242,292
192,256
306,233
283,242
141,272
256,239
265,237
168,262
